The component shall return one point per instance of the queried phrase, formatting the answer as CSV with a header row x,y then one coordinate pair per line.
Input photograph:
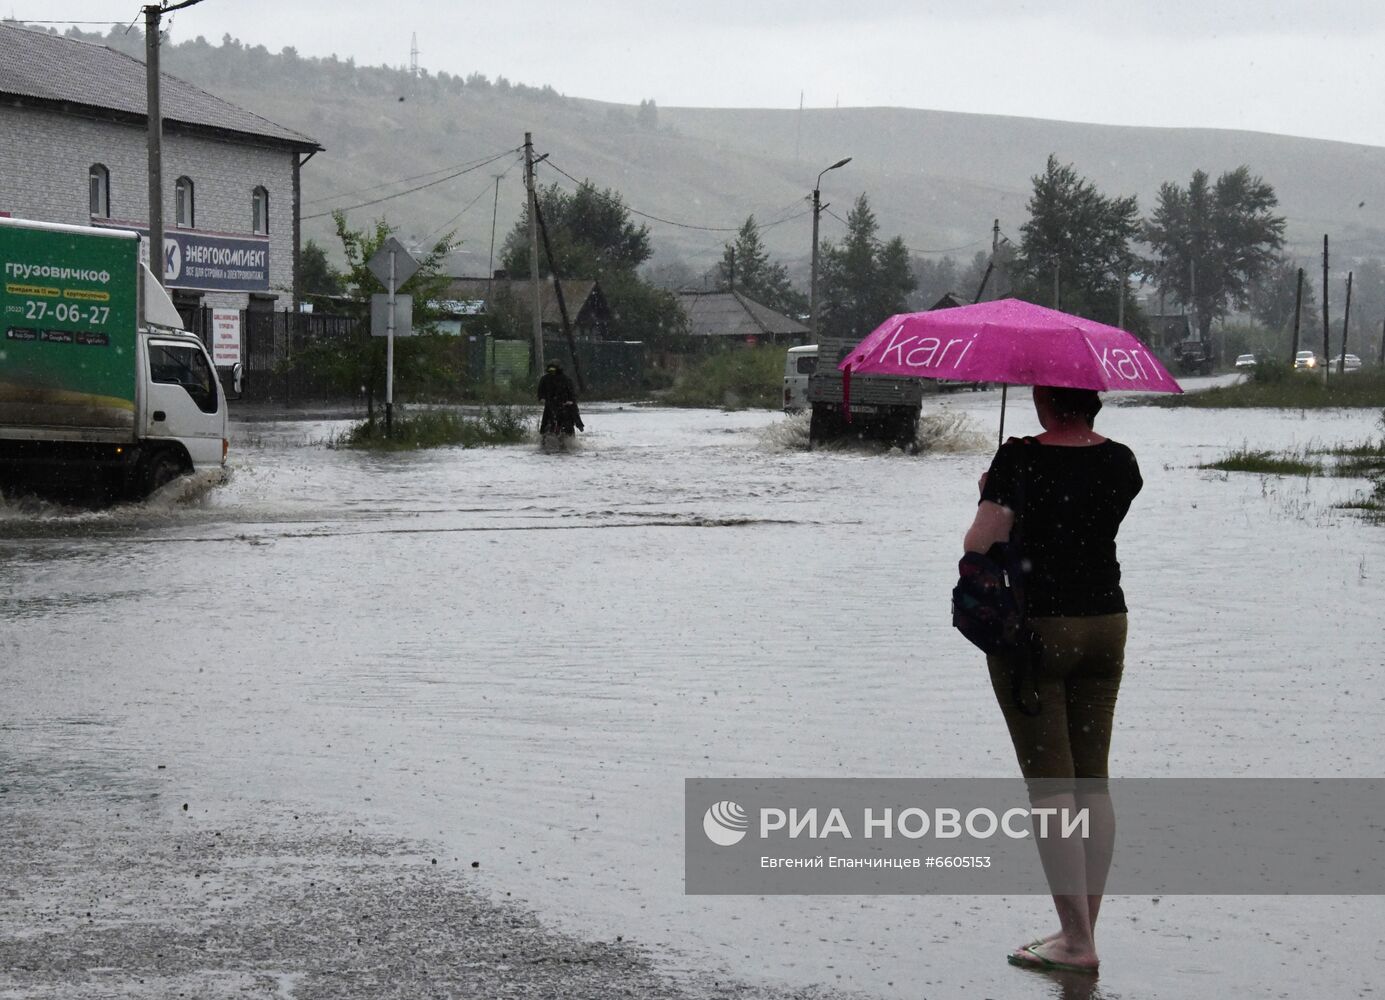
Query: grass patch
x,y
1301,391
736,379
437,429
1347,461
1266,463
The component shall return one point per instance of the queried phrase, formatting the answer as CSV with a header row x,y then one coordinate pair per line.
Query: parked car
x,y
1245,361
1193,357
1346,363
1306,359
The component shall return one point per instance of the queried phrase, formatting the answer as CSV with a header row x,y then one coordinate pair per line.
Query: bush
x,y
737,378
436,429
1269,370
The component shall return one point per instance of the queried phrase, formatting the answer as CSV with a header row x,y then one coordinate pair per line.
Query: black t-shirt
x,y
1067,514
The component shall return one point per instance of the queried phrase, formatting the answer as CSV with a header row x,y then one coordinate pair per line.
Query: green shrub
x,y
437,429
1270,370
1265,462
737,378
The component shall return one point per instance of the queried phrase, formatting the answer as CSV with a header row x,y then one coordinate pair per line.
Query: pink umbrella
x,y
1011,342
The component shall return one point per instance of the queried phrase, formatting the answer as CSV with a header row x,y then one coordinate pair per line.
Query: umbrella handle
x,y
1003,390
846,394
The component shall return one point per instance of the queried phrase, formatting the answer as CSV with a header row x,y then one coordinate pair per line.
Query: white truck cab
x,y
799,365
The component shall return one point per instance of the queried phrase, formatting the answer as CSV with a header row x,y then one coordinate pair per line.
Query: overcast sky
x,y
1298,67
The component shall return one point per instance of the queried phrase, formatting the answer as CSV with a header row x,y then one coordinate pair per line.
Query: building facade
x,y
73,149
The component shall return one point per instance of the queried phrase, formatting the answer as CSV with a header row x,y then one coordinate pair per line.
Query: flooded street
x,y
518,658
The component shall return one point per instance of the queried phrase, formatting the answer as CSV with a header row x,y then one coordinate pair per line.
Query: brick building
x,y
73,150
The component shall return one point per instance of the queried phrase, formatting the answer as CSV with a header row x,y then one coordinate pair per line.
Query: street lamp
x,y
813,280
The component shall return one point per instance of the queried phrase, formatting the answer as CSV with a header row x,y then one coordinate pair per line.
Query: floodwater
x,y
520,657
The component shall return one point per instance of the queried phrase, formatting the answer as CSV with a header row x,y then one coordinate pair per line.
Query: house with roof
x,y
74,119
587,310
733,318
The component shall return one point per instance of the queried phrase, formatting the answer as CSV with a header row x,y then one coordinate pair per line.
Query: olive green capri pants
x,y
1077,680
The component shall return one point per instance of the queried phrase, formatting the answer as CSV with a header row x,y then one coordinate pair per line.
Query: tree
x,y
1367,305
593,237
316,276
425,366
862,282
1211,242
1077,241
932,280
426,285
745,266
1272,294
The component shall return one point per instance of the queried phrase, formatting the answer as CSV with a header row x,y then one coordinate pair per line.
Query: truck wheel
x,y
163,468
825,423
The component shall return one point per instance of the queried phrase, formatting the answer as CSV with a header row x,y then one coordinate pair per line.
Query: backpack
x,y
985,607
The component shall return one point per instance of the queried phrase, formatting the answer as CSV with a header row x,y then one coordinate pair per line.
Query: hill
x,y
936,178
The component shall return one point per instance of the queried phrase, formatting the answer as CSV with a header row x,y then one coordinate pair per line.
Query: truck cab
x,y
183,413
799,366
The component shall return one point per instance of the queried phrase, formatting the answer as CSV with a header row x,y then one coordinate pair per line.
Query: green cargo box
x,y
69,312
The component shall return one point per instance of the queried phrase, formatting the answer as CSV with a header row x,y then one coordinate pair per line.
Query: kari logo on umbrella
x,y
725,823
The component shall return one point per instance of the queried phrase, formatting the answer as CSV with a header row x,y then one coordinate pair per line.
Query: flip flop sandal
x,y
1028,958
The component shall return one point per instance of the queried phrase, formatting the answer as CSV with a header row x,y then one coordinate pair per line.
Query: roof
x,y
948,301
731,314
53,69
576,294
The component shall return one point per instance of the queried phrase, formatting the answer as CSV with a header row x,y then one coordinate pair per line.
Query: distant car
x,y
1347,363
1306,359
1193,357
1244,361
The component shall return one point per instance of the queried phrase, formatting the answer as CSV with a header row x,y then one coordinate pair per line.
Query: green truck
x,y
103,394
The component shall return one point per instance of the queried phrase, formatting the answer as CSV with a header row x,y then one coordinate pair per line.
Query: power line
x,y
672,222
473,201
399,180
400,194
967,246
644,215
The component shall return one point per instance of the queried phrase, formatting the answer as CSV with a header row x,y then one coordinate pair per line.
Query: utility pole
x,y
154,114
731,275
1120,306
534,252
813,277
495,210
155,141
1192,297
1298,313
1346,317
1326,350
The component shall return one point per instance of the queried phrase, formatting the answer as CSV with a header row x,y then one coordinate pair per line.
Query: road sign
x,y
380,314
404,264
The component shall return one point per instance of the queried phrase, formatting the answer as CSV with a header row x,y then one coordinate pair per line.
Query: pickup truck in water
x,y
883,407
103,395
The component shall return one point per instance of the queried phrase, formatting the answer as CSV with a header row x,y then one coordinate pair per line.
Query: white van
x,y
799,366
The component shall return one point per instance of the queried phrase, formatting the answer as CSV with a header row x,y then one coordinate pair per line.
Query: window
x,y
259,211
806,365
181,364
99,179
182,203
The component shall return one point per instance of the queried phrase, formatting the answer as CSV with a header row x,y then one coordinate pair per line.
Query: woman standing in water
x,y
1067,491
